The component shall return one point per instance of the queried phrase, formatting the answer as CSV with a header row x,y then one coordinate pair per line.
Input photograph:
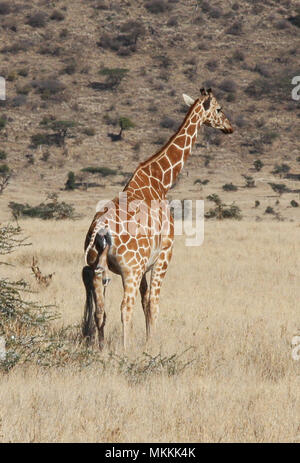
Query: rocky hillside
x,y
77,71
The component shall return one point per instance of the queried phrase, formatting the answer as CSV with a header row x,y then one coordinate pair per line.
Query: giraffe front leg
x,y
130,285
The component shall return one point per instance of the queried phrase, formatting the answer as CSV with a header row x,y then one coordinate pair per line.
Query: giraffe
x,y
134,237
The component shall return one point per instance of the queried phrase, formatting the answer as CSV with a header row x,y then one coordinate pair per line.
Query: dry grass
x,y
233,302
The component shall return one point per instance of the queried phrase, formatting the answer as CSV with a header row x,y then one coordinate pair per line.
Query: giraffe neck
x,y
160,171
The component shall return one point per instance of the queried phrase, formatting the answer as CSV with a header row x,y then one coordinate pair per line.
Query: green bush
x,y
104,171
269,210
229,187
2,155
279,188
70,183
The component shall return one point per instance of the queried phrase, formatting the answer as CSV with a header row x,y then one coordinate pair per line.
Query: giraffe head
x,y
213,115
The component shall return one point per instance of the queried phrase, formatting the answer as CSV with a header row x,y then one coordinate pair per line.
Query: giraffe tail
x,y
98,242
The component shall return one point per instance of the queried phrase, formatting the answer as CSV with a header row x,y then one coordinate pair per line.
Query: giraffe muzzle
x,y
227,130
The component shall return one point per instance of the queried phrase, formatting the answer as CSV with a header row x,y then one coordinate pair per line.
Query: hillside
x,y
92,62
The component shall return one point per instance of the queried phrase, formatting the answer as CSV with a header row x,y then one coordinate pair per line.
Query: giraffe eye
x,y
219,110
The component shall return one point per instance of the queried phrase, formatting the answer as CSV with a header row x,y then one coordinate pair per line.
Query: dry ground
x,y
233,301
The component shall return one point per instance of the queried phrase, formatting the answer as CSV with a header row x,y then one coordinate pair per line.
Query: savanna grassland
x,y
220,366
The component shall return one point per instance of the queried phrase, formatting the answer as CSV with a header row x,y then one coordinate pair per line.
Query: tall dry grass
x,y
230,307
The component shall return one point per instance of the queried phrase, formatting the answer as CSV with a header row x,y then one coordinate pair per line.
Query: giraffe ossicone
x,y
188,100
134,235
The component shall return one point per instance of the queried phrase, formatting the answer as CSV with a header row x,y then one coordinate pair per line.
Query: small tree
x,y
229,187
125,124
60,128
114,76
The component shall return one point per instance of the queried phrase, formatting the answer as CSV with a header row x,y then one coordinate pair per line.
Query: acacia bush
x,y
221,210
229,187
27,328
103,171
60,131
49,209
114,77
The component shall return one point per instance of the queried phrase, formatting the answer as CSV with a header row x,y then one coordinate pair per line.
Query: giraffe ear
x,y
206,103
188,100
